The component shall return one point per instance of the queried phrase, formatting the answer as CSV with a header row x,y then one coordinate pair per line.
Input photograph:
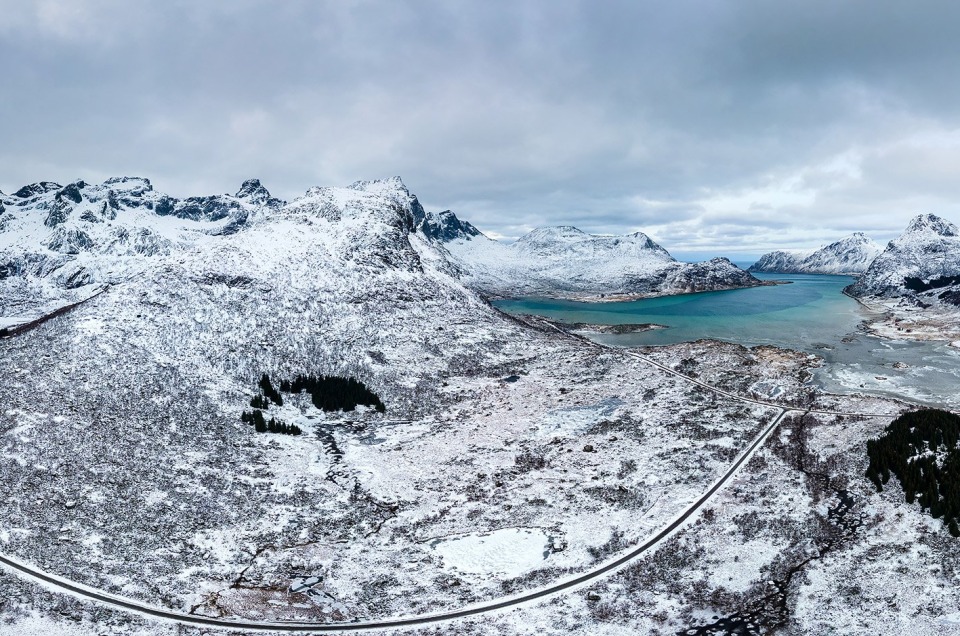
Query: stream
x,y
770,612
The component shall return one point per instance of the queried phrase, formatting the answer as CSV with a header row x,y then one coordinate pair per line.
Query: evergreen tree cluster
x,y
262,425
269,391
329,393
920,448
332,393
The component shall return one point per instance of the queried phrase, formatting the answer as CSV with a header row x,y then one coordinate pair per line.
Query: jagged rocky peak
x,y
925,256
642,239
35,189
931,224
253,192
252,188
850,255
444,226
390,185
128,183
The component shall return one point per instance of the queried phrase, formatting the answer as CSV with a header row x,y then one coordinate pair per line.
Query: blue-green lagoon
x,y
810,313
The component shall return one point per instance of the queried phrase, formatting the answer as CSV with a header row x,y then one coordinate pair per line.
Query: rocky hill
x,y
850,255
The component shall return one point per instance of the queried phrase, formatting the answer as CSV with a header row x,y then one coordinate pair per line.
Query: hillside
x,y
137,475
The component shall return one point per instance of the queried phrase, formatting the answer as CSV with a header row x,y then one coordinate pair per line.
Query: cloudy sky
x,y
717,127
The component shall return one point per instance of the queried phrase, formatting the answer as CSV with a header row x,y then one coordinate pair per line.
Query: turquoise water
x,y
808,311
809,314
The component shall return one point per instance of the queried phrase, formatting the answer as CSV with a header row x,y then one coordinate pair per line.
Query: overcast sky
x,y
717,127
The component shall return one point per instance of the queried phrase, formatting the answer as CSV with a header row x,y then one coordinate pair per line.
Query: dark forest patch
x,y
920,449
328,393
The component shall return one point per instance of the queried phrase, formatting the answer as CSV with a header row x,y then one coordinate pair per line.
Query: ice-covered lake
x,y
809,314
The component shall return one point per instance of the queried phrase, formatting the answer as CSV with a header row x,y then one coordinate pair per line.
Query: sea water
x,y
807,313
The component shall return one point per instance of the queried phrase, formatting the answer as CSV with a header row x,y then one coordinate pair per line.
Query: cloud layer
x,y
721,127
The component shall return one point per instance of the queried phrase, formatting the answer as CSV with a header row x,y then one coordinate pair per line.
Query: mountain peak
x,y
41,187
115,183
254,190
380,186
443,226
554,232
931,223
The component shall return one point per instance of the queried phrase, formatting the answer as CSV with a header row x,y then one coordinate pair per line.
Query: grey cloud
x,y
513,114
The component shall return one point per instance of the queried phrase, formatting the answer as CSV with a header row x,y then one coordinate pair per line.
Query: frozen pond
x,y
809,314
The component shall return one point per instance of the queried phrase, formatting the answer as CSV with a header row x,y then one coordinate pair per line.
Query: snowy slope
x,y
850,255
130,406
567,262
923,263
779,262
57,242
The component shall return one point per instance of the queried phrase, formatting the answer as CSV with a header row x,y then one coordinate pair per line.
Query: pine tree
x,y
260,425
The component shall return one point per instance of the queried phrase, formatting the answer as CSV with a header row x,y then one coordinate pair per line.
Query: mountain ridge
x,y
564,261
850,255
58,240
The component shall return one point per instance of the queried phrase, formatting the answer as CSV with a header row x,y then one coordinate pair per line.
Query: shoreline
x,y
900,323
585,297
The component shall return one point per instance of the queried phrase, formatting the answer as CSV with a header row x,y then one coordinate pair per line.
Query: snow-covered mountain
x,y
567,262
57,242
850,255
923,263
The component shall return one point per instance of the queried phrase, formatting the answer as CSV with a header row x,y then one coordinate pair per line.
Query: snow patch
x,y
510,551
